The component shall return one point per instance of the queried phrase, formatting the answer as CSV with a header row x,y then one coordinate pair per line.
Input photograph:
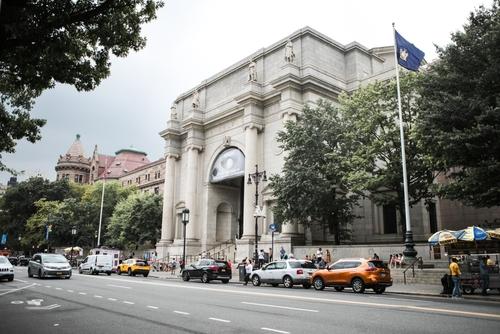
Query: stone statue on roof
x,y
252,71
289,54
173,111
196,99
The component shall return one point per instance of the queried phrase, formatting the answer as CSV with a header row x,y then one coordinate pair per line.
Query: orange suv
x,y
358,274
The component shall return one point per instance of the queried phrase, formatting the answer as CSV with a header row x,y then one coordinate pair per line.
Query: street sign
x,y
4,239
272,227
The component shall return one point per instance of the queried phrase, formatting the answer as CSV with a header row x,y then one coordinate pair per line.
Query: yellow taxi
x,y
133,267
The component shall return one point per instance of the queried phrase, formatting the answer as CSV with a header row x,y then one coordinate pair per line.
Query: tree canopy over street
x,y
460,121
43,42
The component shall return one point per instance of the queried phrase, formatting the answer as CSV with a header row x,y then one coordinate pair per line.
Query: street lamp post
x,y
185,221
73,233
256,177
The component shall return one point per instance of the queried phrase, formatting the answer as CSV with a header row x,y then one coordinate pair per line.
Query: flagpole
x,y
409,244
102,201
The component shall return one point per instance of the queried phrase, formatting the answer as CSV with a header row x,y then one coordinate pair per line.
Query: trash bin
x,y
241,271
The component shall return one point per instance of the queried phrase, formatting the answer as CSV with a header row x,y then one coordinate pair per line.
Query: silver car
x,y
6,269
49,265
286,272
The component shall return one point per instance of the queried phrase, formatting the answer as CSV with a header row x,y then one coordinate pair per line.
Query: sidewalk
x,y
397,288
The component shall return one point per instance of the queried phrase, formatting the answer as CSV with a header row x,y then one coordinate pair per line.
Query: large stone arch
x,y
227,163
225,227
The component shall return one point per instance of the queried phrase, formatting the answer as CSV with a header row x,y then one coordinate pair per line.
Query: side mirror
x,y
329,268
38,260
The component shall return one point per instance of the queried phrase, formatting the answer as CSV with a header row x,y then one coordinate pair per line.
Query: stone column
x,y
168,218
251,142
191,191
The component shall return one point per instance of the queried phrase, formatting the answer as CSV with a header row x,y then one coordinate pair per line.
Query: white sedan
x,y
6,269
286,272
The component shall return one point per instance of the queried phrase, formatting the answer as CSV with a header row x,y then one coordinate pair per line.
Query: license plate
x,y
223,270
59,273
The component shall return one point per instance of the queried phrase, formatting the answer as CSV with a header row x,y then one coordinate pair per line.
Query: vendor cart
x,y
470,279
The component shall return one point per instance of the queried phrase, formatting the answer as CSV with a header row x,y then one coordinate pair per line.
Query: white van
x,y
95,264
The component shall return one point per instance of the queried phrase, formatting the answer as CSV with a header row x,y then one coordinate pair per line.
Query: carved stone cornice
x,y
199,148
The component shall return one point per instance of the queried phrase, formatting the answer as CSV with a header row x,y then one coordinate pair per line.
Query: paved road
x,y
119,304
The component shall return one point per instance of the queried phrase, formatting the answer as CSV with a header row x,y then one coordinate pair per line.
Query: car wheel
x,y
204,278
10,279
338,288
379,289
288,282
358,286
80,271
306,285
256,280
109,273
225,281
468,290
129,272
318,283
29,273
185,276
118,271
67,277
145,274
40,274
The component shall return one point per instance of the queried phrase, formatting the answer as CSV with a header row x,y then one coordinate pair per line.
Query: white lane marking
x,y
153,307
49,307
97,296
55,325
127,302
20,280
120,286
14,290
221,320
17,302
304,298
48,286
82,293
58,288
112,299
283,307
180,312
274,330
70,290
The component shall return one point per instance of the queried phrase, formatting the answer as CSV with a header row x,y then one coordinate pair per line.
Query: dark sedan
x,y
208,270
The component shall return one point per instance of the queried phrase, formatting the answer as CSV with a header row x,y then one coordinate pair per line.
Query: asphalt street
x,y
122,304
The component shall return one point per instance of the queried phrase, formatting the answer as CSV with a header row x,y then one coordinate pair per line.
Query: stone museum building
x,y
221,129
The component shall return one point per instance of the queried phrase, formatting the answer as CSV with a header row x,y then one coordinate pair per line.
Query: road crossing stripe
x,y
221,320
153,307
274,330
127,302
14,290
180,312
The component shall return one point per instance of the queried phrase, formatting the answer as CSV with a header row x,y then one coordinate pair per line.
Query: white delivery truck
x,y
115,253
95,264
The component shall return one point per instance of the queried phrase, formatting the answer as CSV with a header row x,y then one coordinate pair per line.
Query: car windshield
x,y
377,264
3,260
54,259
221,264
300,264
140,263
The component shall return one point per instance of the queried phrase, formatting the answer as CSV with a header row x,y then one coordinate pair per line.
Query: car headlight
x,y
49,267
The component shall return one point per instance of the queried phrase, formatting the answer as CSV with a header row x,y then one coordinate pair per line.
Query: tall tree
x,y
371,121
69,41
136,221
312,186
460,120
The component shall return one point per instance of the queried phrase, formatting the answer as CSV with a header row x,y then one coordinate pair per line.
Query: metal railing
x,y
412,266
220,251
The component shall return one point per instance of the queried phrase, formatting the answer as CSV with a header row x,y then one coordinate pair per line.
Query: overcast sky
x,y
194,39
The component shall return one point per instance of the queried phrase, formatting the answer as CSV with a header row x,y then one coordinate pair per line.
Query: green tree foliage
x,y
371,121
313,186
19,203
136,221
44,41
460,119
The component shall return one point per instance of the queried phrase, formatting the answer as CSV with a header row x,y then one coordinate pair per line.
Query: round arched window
x,y
229,164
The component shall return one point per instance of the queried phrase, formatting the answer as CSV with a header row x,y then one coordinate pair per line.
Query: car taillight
x,y
300,271
371,269
213,267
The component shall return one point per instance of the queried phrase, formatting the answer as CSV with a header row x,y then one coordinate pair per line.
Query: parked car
x,y
133,267
24,261
6,269
95,264
286,272
47,265
208,270
13,260
358,274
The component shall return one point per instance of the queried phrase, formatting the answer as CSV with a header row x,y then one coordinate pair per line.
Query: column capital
x,y
289,113
199,148
172,156
251,126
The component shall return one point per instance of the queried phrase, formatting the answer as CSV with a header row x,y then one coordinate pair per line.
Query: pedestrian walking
x,y
375,256
173,266
319,255
248,271
282,253
262,258
455,277
484,275
328,257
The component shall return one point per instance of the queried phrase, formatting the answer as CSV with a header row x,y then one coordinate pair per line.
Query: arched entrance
x,y
227,184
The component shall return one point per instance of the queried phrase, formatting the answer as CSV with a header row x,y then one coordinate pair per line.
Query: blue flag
x,y
409,56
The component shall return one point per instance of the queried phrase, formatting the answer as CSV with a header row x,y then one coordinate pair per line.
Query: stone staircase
x,y
422,276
